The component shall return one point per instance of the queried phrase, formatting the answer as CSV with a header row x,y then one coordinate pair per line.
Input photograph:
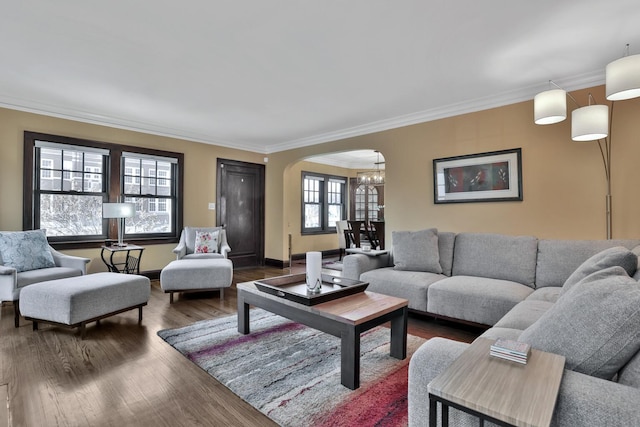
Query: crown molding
x,y
498,100
470,106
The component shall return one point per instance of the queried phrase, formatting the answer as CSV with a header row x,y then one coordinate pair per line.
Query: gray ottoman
x,y
76,301
196,275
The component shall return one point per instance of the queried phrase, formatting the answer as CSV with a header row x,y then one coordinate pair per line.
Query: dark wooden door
x,y
240,188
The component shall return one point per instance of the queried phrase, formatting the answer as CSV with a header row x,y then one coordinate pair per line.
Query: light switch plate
x,y
212,206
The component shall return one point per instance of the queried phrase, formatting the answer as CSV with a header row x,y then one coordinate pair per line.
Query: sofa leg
x,y
221,294
35,325
139,315
170,297
16,314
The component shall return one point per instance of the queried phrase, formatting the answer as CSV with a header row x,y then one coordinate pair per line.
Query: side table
x,y
500,391
128,262
372,252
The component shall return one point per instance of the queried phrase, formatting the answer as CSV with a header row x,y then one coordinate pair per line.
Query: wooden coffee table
x,y
345,318
500,391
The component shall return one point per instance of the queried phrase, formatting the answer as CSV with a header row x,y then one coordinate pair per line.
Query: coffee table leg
x,y
243,314
350,358
399,335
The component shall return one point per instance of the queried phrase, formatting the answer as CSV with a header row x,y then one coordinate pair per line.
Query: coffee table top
x,y
353,309
522,395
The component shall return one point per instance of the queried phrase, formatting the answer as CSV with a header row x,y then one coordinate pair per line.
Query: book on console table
x,y
515,351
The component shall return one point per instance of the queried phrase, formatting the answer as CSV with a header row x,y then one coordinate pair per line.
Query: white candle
x,y
314,270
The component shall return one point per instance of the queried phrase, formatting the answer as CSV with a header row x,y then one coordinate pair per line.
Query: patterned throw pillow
x,y
25,250
206,242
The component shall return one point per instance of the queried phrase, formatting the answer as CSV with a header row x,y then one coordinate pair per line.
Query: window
x,y
323,202
67,180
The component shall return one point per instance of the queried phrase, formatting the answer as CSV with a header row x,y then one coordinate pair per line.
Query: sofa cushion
x,y
496,256
411,285
206,242
630,373
549,294
505,333
475,299
595,325
25,250
524,314
616,256
416,250
557,259
636,252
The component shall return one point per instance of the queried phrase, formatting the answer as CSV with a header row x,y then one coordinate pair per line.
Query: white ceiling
x,y
273,75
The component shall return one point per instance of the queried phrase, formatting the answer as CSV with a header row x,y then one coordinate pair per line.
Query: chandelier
x,y
372,177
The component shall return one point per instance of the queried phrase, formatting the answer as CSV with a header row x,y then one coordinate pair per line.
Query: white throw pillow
x,y
206,242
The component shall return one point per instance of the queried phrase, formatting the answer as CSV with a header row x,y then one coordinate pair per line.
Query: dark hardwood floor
x,y
123,374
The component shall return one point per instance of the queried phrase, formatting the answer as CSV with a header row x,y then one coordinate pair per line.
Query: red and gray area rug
x,y
291,373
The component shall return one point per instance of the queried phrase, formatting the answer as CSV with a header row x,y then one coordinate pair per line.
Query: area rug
x,y
291,373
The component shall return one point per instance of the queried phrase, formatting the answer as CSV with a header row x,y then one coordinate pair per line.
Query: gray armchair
x,y
187,244
12,281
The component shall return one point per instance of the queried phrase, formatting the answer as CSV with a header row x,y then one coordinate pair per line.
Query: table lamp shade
x,y
118,210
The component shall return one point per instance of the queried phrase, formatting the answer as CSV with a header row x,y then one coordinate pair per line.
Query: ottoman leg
x,y
139,315
170,297
35,325
221,294
83,330
16,314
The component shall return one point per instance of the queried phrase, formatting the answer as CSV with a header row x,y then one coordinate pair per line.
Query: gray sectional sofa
x,y
558,295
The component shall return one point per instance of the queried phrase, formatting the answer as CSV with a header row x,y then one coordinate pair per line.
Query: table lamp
x,y
120,211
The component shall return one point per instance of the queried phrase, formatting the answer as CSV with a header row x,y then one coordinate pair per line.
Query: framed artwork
x,y
485,177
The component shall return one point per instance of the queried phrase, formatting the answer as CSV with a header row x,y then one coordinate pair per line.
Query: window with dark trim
x,y
67,180
323,202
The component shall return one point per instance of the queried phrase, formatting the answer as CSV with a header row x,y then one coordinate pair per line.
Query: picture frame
x,y
494,176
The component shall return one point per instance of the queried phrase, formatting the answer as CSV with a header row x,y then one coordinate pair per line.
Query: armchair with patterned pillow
x,y
202,242
26,258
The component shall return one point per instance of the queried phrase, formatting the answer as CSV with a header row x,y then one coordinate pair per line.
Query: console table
x,y
127,262
500,391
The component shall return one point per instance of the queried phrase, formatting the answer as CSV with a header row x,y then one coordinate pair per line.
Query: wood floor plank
x,y
123,374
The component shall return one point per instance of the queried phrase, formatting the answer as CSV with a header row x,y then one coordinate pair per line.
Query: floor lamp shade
x,y
623,78
550,107
590,123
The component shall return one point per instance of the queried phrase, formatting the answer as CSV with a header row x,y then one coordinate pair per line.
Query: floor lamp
x,y
593,122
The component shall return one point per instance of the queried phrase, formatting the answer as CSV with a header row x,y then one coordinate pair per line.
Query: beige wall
x,y
292,204
563,181
199,186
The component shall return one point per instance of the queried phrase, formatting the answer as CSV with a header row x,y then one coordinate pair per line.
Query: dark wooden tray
x,y
293,287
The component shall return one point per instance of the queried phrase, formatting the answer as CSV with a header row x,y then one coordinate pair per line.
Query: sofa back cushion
x,y
558,259
595,324
615,256
446,240
496,256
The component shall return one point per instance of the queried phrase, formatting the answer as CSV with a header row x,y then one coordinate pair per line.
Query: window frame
x,y
114,181
324,199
